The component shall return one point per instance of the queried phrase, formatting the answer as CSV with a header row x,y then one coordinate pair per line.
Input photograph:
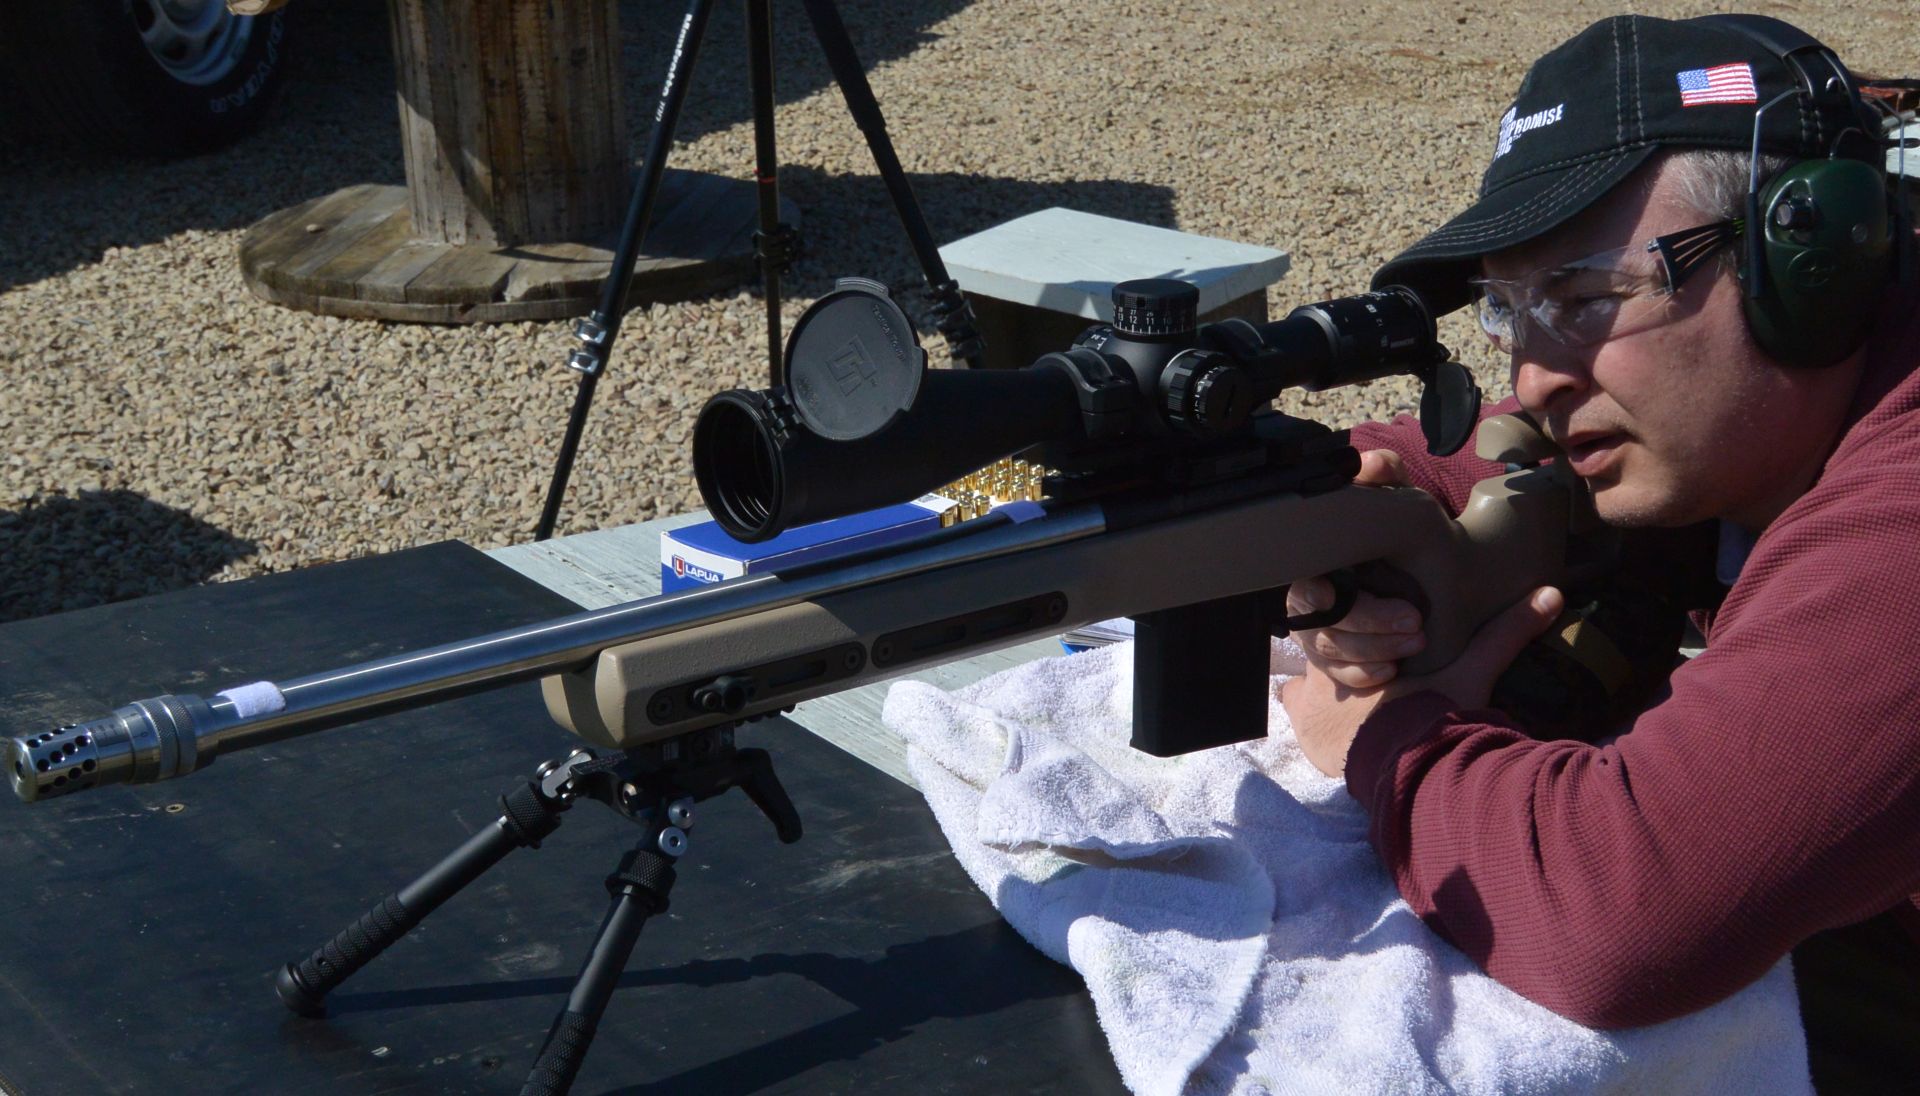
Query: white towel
x,y
1235,930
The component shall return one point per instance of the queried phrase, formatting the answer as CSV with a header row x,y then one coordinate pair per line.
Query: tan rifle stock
x,y
1512,536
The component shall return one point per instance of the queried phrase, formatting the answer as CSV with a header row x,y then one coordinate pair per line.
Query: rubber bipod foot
x,y
296,996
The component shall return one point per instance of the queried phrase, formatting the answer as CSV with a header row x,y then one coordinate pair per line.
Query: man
x,y
1773,793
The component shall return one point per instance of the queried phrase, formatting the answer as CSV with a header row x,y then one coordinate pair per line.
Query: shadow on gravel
x,y
338,125
718,96
73,552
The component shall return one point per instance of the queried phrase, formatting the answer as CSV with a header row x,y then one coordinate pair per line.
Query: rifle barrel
x,y
168,736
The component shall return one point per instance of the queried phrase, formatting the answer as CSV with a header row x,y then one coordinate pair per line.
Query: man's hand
x,y
1362,650
1326,714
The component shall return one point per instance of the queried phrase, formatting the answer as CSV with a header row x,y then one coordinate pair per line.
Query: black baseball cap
x,y
1602,103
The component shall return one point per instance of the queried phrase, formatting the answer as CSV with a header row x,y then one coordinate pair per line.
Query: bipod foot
x,y
528,814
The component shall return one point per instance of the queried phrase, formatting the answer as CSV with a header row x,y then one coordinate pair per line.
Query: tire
x,y
153,77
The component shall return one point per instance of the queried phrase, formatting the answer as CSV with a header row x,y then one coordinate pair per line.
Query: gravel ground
x,y
164,427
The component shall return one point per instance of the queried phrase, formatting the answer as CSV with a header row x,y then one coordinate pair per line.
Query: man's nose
x,y
1545,373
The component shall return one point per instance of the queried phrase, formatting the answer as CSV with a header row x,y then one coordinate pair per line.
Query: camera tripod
x,y
775,244
654,785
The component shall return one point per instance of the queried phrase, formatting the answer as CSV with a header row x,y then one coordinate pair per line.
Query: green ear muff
x,y
1827,246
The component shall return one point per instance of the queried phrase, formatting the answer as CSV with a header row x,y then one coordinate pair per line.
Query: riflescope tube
x,y
169,736
1340,342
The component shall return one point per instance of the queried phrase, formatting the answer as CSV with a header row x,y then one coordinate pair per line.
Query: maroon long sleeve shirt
x,y
1773,793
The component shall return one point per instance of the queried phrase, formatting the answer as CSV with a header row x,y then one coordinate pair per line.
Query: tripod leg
x,y
774,242
639,888
956,317
303,987
598,331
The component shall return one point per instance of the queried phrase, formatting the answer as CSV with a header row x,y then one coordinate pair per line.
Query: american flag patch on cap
x,y
1719,84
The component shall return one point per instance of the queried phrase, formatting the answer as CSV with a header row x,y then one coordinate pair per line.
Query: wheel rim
x,y
195,41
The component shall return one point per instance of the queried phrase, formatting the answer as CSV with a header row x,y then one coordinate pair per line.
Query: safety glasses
x,y
1600,297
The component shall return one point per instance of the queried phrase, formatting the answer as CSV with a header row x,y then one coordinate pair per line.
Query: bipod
x,y
655,786
775,244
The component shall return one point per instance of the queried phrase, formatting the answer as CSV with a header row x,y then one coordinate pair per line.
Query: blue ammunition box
x,y
697,554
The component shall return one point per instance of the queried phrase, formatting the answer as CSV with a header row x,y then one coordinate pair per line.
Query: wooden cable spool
x,y
517,180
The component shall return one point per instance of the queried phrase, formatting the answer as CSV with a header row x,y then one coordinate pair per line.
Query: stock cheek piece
x,y
1822,233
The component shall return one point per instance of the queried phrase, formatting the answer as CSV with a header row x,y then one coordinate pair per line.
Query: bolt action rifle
x,y
1177,499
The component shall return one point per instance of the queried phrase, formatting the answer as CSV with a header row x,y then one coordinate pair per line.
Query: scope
x,y
861,421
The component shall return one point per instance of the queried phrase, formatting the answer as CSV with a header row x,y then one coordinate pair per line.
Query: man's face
x,y
1684,418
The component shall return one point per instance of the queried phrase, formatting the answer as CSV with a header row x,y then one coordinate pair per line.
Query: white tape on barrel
x,y
259,698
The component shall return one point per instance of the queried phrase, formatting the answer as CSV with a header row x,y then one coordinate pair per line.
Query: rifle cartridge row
x,y
1006,480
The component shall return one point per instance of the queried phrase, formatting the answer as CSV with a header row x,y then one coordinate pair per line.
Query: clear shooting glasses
x,y
1602,296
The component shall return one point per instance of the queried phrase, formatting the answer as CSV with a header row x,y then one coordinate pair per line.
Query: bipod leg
x,y
964,342
639,888
597,332
528,815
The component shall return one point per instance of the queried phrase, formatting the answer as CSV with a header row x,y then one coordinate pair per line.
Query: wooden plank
x,y
482,63
600,113
413,93
511,115
409,312
341,274
459,193
273,237
376,205
281,238
387,280
541,171
553,271
601,567
463,275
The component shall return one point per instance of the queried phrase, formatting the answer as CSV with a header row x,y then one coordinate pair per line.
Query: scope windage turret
x,y
861,421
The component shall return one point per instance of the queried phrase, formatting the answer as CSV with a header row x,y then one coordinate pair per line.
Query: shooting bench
x,y
1037,281
860,960
515,142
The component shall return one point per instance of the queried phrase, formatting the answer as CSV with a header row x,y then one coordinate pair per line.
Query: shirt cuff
x,y
1395,725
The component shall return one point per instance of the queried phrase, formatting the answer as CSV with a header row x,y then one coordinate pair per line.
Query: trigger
x,y
1346,590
